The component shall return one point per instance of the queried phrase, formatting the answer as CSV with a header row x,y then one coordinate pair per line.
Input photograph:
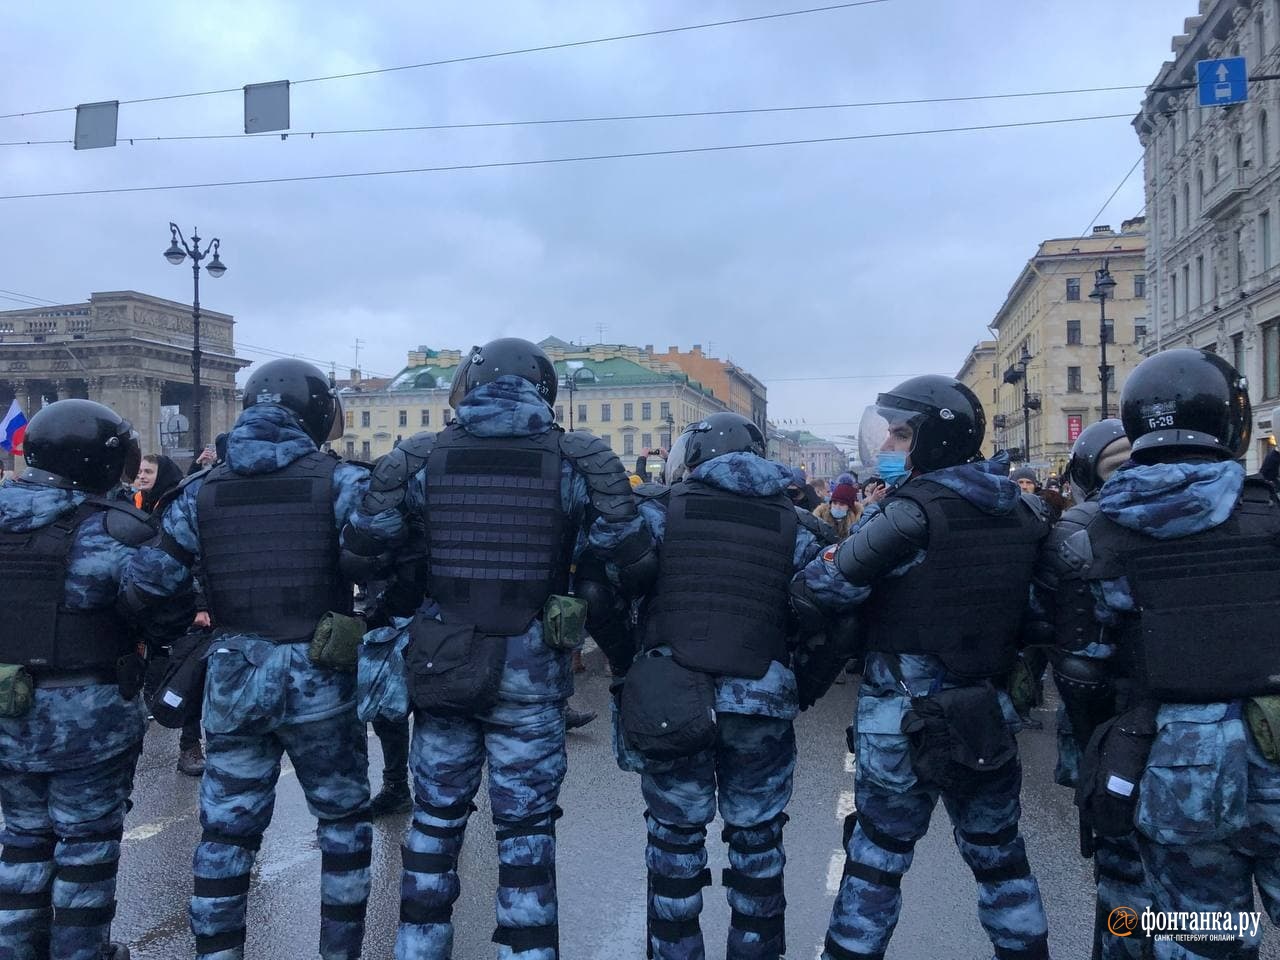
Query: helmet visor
x,y
458,389
885,428
675,469
339,425
132,451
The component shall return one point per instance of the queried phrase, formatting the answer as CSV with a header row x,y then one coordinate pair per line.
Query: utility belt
x,y
18,683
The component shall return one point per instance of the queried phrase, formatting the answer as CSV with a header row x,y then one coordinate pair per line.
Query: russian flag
x,y
13,428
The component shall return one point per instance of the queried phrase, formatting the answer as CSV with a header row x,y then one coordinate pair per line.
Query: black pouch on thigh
x,y
958,739
453,670
182,681
668,711
1111,770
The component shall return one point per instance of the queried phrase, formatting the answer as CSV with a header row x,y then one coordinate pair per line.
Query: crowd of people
x,y
726,599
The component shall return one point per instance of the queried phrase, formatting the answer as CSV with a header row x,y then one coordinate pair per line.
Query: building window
x,y
351,419
1215,168
664,410
365,453
1264,238
1139,329
1186,205
404,418
364,418
628,411
1201,292
559,414
1186,284
1073,379
1073,332
1240,256
1139,286
1109,331
666,440
1237,352
1271,360
1264,148
426,418
1173,296
1237,151
1173,216
646,441
1073,288
646,411
351,448
628,444
582,413
606,412
1111,378
608,440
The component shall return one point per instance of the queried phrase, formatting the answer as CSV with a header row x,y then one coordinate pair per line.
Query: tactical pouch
x,y
182,682
17,691
453,669
562,622
336,643
958,738
1262,714
668,711
1111,770
131,673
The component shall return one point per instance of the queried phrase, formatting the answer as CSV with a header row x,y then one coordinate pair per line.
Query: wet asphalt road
x,y
601,859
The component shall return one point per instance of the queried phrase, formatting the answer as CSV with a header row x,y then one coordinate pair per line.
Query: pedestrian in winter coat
x,y
843,511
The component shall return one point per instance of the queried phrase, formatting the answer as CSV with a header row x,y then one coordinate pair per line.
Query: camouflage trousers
x,y
749,772
893,813
523,744
61,852
237,797
1117,870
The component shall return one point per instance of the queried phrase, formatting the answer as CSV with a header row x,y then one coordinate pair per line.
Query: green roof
x,y
613,372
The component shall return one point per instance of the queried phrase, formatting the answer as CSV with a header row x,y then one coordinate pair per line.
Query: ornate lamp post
x,y
179,251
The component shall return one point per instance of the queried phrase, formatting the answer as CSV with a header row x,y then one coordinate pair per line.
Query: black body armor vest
x,y
269,549
40,632
1209,604
495,523
721,599
965,602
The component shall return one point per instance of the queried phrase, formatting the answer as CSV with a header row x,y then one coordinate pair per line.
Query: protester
x,y
843,511
156,476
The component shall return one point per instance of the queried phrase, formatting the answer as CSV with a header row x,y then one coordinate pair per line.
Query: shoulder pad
x,y
1077,517
653,491
1038,506
607,483
126,523
824,532
392,472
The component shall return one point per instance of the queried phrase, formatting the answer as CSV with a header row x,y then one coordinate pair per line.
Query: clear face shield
x,y
885,438
458,389
132,450
339,424
675,469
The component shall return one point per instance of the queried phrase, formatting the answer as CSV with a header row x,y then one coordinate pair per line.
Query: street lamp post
x,y
1018,372
178,252
1103,287
571,383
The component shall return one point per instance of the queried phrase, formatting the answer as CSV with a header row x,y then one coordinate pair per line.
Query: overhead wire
x,y
615,118
586,158
487,56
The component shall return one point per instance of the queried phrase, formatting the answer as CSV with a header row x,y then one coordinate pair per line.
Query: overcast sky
x,y
877,257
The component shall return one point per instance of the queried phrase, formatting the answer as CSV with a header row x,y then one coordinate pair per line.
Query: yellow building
x,y
978,373
1050,317
633,407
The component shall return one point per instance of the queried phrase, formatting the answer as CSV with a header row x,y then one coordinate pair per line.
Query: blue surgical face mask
x,y
891,465
839,512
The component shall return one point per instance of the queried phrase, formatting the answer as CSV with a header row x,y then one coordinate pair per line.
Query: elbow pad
x,y
886,541
809,616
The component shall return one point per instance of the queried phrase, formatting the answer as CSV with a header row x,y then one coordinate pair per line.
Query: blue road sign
x,y
1222,82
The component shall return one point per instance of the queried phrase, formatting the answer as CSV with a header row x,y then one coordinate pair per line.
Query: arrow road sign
x,y
1222,82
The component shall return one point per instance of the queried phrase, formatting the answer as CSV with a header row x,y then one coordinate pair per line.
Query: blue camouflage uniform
x,y
1117,864
1207,817
749,772
67,765
894,809
264,700
522,737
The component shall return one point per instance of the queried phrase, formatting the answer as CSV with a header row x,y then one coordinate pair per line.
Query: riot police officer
x,y
264,526
718,617
71,722
1181,557
497,505
1062,615
938,577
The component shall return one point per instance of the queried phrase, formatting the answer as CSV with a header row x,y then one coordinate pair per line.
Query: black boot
x,y
392,798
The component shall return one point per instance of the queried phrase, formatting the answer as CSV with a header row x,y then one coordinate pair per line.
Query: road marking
x,y
835,872
850,763
845,805
148,830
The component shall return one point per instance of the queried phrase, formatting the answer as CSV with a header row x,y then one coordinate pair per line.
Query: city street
x,y
601,867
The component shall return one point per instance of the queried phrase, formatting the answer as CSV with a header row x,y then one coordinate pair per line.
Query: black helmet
x,y
1087,451
1187,400
945,417
301,387
505,357
719,434
81,445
